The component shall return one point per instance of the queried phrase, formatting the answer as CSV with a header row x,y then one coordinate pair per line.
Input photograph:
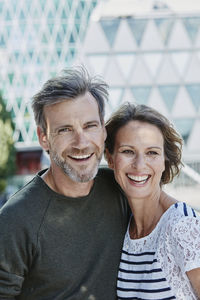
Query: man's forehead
x,y
69,113
86,98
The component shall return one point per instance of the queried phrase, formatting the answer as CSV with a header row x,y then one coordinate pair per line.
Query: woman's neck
x,y
147,213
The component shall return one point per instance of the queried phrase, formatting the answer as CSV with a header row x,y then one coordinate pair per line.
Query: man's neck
x,y
62,184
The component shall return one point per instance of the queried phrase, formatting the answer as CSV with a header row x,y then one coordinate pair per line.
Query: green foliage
x,y
7,149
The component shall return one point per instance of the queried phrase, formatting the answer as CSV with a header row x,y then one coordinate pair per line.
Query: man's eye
x,y
63,130
91,126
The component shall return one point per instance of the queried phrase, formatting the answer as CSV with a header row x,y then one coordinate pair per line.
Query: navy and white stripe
x,y
140,277
143,271
187,210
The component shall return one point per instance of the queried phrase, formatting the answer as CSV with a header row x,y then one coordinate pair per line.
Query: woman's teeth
x,y
138,179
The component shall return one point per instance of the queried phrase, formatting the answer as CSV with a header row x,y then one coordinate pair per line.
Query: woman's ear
x,y
109,159
42,137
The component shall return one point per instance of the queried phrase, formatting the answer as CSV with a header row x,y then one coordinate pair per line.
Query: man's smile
x,y
80,157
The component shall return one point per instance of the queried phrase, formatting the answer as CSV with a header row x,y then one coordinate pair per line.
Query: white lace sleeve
x,y
186,238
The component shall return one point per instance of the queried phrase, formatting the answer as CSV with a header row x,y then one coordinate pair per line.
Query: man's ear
x,y
109,159
104,130
42,137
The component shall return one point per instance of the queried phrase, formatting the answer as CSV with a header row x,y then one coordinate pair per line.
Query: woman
x,y
161,252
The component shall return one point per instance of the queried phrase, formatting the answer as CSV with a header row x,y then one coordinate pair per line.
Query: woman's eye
x,y
128,151
152,153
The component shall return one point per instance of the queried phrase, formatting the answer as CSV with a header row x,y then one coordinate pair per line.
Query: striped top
x,y
154,267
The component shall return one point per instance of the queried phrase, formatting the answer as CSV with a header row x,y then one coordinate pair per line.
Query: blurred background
x,y
147,51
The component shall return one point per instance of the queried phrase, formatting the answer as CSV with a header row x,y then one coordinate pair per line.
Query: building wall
x,y
38,39
152,60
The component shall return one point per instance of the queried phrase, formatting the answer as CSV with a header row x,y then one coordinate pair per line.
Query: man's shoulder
x,y
106,173
26,197
106,178
108,189
28,187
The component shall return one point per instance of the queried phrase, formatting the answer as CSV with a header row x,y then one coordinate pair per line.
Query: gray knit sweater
x,y
54,247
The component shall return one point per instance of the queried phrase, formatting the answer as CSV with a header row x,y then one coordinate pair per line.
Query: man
x,y
61,235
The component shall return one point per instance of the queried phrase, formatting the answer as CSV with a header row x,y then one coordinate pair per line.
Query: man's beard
x,y
72,173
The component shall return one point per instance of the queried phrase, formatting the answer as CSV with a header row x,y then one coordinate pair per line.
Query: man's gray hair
x,y
70,84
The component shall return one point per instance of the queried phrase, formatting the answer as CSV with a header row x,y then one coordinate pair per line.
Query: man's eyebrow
x,y
92,121
70,126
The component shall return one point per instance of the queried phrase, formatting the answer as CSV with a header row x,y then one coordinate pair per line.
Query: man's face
x,y
75,137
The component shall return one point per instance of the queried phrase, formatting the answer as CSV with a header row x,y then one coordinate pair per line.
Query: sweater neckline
x,y
60,196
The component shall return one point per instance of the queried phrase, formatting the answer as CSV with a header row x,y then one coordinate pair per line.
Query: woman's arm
x,y
194,277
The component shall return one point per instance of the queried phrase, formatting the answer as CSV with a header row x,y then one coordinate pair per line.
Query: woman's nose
x,y
138,161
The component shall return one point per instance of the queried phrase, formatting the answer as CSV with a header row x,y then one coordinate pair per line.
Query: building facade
x,y
38,39
149,53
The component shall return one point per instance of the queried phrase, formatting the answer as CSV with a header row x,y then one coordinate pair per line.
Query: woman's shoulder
x,y
179,220
184,210
184,236
178,211
179,215
185,218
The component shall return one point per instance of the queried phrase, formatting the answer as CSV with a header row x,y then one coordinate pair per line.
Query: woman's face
x,y
138,159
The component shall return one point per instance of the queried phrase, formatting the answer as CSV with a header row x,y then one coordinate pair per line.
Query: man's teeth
x,y
139,179
80,156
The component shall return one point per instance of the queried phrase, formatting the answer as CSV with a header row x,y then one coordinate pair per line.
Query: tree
x,y
7,148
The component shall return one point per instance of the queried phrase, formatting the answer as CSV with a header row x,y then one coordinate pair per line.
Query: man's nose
x,y
80,139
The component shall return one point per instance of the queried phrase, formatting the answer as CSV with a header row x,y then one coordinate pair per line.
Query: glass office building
x,y
149,53
38,38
